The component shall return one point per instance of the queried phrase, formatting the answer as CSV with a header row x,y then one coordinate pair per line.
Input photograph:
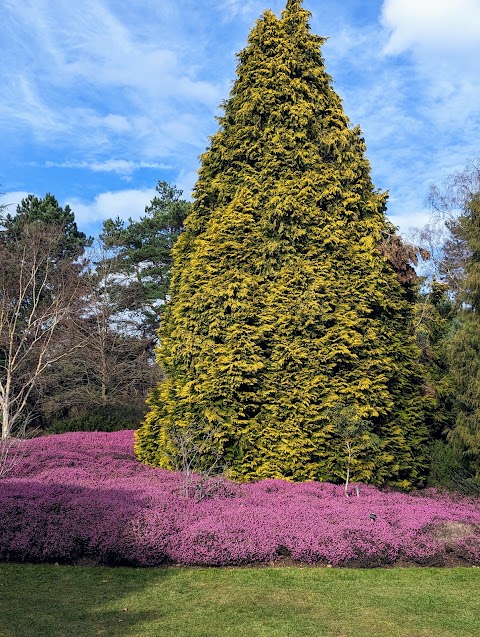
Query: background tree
x,y
282,302
446,328
102,385
46,211
40,294
141,258
464,346
447,202
42,284
102,368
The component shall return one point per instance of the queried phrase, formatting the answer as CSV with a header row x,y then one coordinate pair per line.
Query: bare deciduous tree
x,y
40,293
9,452
115,367
203,471
447,202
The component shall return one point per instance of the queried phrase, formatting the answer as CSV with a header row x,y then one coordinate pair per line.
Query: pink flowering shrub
x,y
83,496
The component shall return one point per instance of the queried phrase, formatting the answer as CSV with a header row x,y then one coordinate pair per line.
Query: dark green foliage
x,y
111,418
46,212
283,301
464,346
434,325
141,256
449,470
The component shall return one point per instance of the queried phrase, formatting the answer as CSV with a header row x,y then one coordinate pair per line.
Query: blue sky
x,y
101,99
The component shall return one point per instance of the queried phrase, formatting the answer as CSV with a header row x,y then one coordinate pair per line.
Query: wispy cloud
x,y
414,88
88,76
235,8
119,166
123,89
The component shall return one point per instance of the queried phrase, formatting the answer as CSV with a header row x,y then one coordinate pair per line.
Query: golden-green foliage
x,y
281,304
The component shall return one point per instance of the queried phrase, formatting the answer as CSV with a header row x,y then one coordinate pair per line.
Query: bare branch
x,y
39,293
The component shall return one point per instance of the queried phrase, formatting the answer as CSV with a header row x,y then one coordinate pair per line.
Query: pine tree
x,y
141,257
46,213
282,305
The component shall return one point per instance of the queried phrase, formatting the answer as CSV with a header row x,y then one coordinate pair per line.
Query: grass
x,y
66,601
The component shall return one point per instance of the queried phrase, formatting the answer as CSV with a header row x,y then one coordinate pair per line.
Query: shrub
x,y
83,496
449,471
110,418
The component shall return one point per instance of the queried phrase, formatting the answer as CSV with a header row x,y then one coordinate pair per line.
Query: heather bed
x,y
83,497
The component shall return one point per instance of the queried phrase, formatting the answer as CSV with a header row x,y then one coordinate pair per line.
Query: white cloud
x,y
122,203
90,215
446,27
418,97
90,76
409,219
235,8
443,39
12,199
113,87
118,166
117,123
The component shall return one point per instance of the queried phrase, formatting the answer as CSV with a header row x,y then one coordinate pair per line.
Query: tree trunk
x,y
347,478
6,426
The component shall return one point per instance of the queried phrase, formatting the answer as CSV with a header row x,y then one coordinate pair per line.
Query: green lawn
x,y
54,601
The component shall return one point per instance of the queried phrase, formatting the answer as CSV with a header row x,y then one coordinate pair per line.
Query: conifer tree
x,y
141,256
282,305
46,213
464,347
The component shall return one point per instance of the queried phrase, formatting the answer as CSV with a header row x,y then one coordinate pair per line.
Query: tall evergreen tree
x,y
282,304
464,347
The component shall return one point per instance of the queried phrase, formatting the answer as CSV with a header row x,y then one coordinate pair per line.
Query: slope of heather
x,y
83,496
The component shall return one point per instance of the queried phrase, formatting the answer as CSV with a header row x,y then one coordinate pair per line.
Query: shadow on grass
x,y
51,533
71,523
38,600
49,601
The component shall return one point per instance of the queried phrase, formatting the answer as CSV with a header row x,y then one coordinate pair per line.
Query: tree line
x,y
293,335
79,321
78,317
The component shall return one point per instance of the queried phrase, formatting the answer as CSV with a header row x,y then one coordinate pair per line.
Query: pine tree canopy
x,y
141,255
46,212
282,305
